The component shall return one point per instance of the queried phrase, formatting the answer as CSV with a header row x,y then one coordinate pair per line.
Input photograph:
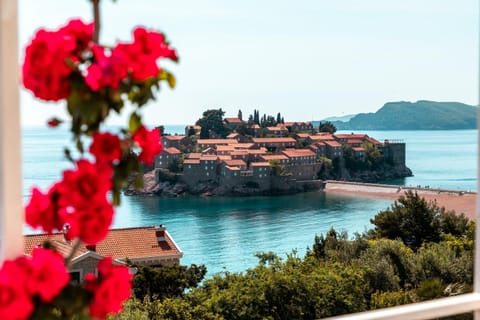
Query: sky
x,y
307,59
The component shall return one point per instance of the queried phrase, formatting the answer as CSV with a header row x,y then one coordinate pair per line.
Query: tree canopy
x,y
212,121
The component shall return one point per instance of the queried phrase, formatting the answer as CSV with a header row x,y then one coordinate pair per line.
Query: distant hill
x,y
344,118
420,115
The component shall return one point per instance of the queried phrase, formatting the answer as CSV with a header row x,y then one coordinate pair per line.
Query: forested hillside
x,y
420,115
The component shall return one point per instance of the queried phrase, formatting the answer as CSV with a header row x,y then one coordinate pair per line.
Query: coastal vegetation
x,y
427,255
420,115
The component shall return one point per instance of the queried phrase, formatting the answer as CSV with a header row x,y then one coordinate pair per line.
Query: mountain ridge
x,y
420,115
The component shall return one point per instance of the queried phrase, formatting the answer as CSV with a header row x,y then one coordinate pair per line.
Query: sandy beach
x,y
459,201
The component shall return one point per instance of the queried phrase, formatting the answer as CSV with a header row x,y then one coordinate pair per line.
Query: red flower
x,y
152,43
15,303
54,122
141,55
150,143
43,211
45,71
48,275
106,71
106,147
92,223
87,185
110,290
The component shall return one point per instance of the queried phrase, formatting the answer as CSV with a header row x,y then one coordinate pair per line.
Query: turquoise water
x,y
225,233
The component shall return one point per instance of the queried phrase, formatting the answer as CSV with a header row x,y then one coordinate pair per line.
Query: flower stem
x,y
96,20
75,247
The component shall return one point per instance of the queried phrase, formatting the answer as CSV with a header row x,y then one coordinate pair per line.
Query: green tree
x,y
212,120
277,168
327,126
415,221
166,281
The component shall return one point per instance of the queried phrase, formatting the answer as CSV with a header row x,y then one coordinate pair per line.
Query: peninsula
x,y
266,155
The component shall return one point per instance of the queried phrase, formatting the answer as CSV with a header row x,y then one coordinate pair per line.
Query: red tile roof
x,y
205,157
333,144
232,135
130,243
351,136
374,141
358,149
191,161
273,140
232,168
217,141
260,164
233,120
269,157
354,141
323,137
172,150
194,155
295,153
236,162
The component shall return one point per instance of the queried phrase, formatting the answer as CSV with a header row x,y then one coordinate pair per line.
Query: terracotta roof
x,y
324,137
232,168
230,147
269,157
246,145
130,243
217,141
354,141
174,138
333,143
358,149
172,150
233,120
236,162
257,151
273,140
295,153
194,155
239,152
208,157
254,126
191,161
374,141
276,129
260,164
232,135
351,136
302,135
224,157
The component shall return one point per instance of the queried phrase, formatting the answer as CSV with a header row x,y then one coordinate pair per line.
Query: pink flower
x,y
106,71
81,32
150,143
110,290
106,147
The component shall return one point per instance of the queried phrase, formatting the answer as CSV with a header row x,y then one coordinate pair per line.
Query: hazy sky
x,y
305,59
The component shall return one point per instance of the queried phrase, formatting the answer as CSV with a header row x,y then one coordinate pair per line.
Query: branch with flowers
x,y
94,80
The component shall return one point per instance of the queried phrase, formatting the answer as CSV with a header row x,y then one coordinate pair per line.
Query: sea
x,y
224,234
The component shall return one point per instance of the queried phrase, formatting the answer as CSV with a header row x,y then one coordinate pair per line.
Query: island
x,y
266,156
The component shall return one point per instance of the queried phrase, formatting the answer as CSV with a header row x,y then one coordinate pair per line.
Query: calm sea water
x,y
225,233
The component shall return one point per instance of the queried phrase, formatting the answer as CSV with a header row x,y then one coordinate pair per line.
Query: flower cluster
x,y
41,276
66,64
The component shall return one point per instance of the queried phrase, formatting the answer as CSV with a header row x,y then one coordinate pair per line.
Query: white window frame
x,y
11,217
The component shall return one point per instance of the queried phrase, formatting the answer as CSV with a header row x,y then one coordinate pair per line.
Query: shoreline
x,y
457,200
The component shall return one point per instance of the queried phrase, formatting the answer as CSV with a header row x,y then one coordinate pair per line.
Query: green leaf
x,y
135,122
172,82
